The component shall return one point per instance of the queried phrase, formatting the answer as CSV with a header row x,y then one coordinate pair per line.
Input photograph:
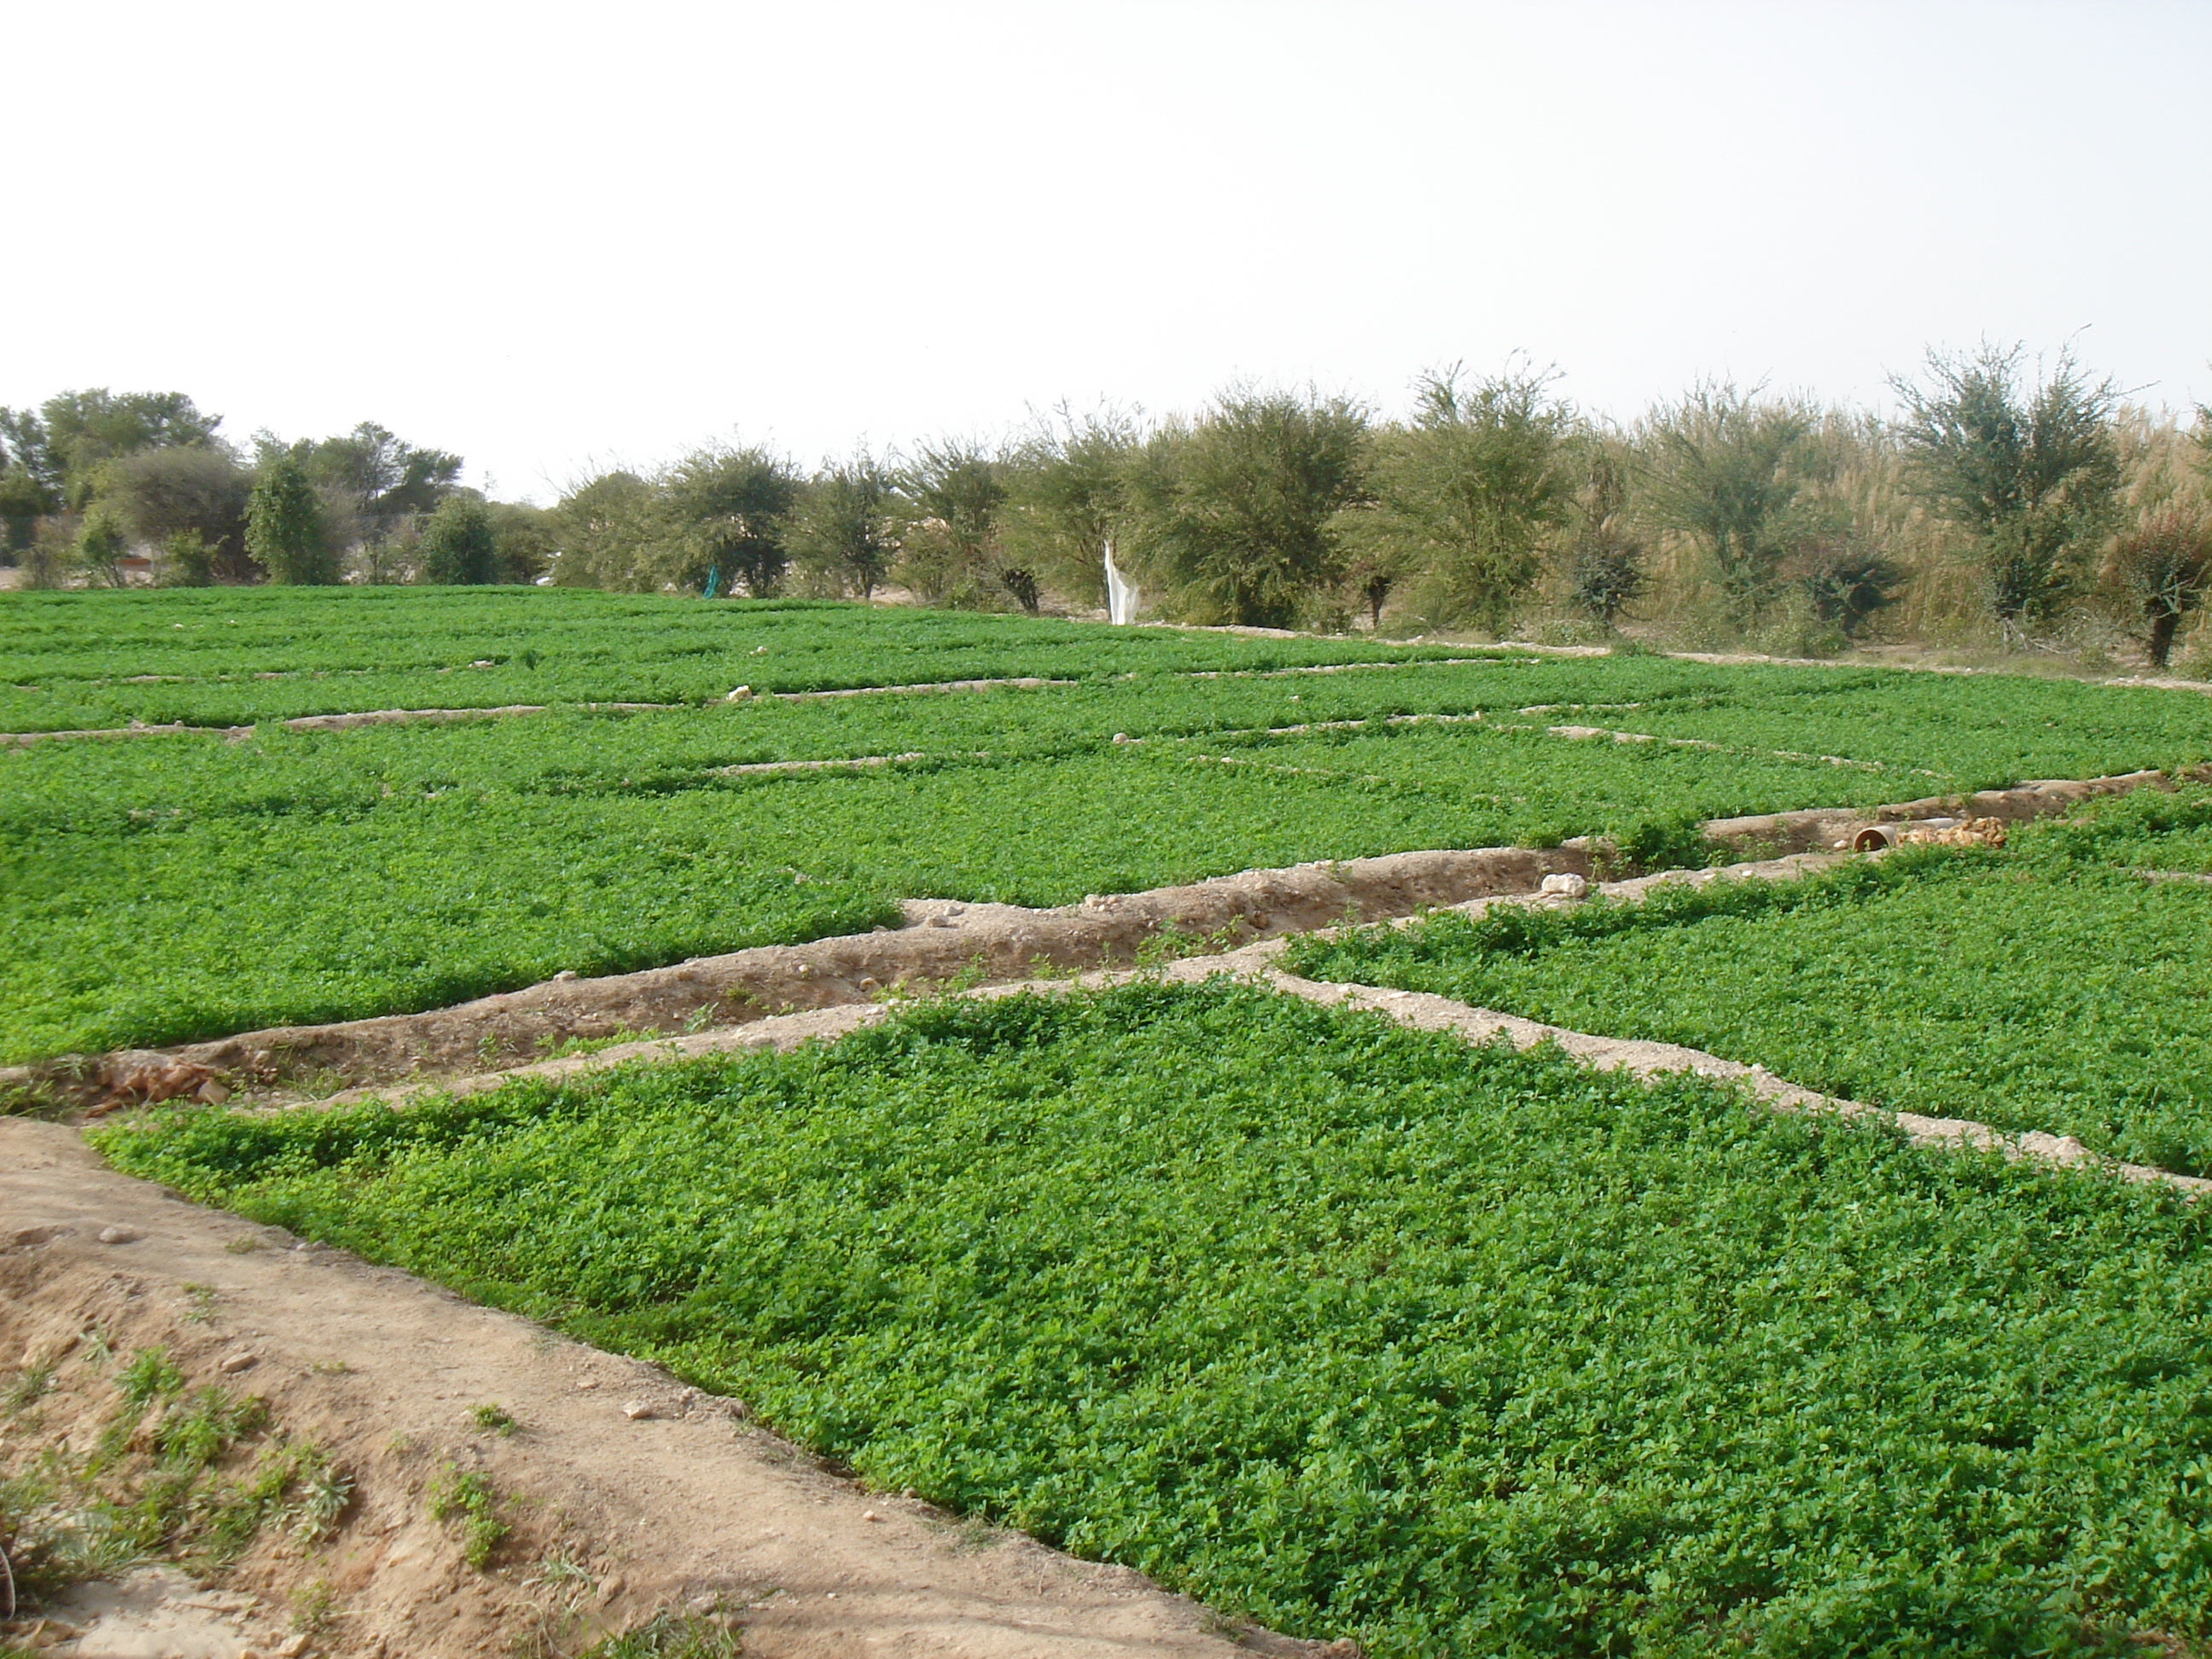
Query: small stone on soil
x,y
121,1235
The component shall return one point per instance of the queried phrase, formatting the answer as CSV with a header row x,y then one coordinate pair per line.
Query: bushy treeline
x,y
93,480
2009,502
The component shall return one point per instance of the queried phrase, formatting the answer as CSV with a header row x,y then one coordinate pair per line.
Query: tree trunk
x,y
2162,626
1375,592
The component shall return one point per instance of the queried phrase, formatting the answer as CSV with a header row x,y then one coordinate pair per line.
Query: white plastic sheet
x,y
1121,592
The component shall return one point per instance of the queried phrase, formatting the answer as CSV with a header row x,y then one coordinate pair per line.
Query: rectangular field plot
x,y
2002,729
2053,985
232,656
174,888
1355,1330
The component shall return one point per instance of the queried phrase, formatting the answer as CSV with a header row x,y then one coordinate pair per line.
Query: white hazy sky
x,y
555,237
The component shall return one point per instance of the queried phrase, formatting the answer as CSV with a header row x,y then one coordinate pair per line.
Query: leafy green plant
x,y
199,1428
469,1497
27,1389
181,1486
314,1607
259,873
670,1636
493,1418
54,1538
1676,842
1362,1330
2048,986
149,1375
311,1492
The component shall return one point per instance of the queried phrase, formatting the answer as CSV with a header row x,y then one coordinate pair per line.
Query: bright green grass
x,y
274,884
1355,1330
232,656
166,889
2044,987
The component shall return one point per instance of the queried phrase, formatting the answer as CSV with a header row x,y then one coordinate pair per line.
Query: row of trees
x,y
2003,495
92,478
2001,492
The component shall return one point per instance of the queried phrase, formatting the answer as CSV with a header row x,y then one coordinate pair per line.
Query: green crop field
x,y
232,656
174,887
2052,985
1356,1330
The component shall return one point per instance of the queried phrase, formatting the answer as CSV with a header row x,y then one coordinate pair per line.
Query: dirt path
x,y
663,1499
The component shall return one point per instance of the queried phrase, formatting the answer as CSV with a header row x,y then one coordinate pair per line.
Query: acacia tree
x,y
83,430
284,526
1239,511
1067,496
383,480
599,528
1731,470
1605,570
188,495
841,533
727,511
30,480
2030,468
460,549
2163,564
950,552
1468,494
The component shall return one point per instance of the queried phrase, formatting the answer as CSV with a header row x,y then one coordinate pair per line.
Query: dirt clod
x,y
143,1076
